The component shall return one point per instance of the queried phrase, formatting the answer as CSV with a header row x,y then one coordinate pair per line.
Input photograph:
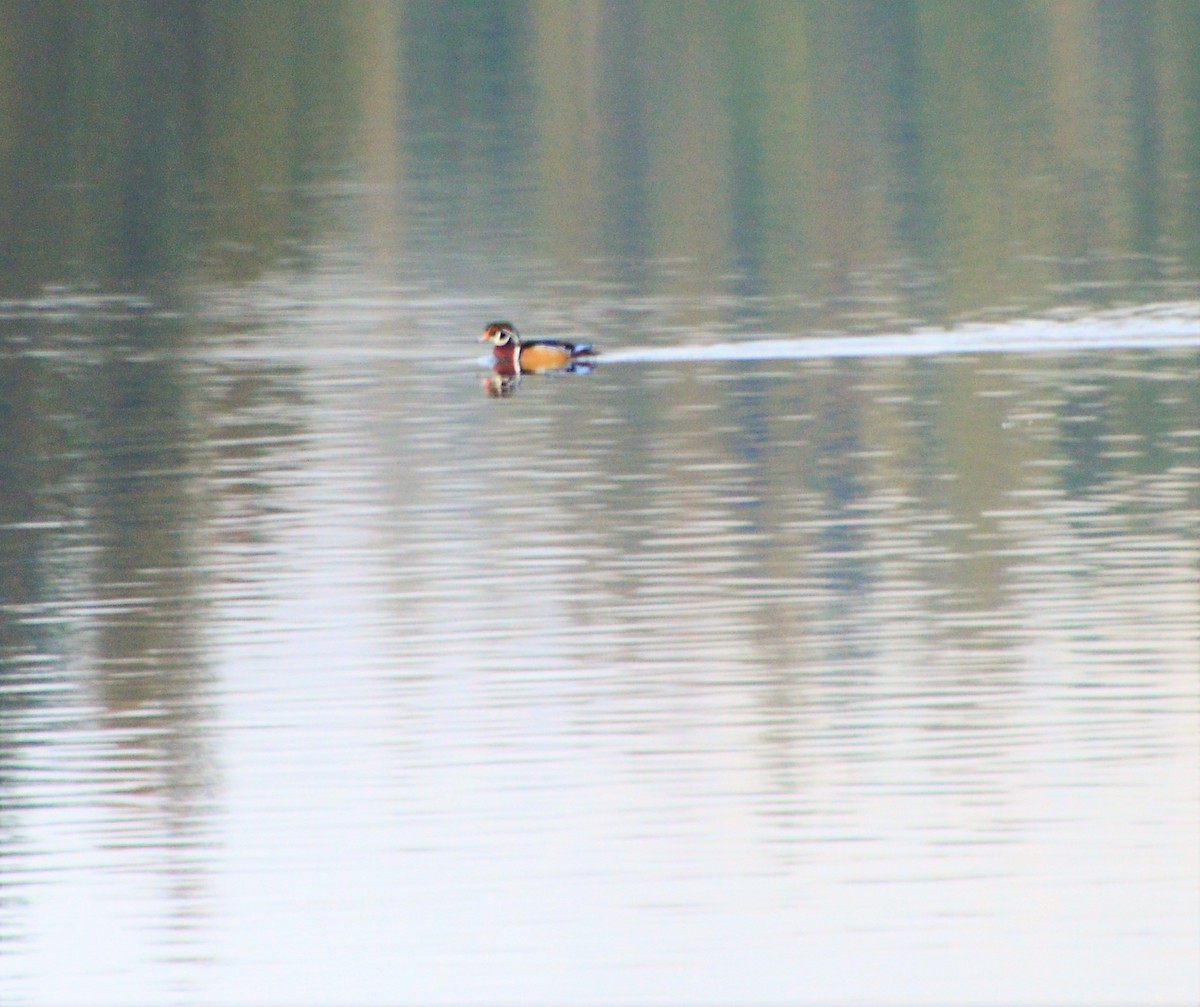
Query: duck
x,y
515,357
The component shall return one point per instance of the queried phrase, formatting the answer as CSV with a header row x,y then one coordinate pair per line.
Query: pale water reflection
x,y
361,687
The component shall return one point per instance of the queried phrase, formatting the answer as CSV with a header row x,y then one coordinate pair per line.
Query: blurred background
x,y
954,160
325,678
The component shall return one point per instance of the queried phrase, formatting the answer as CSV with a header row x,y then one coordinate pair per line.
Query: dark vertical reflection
x,y
467,132
35,536
1127,29
622,96
149,664
139,81
103,655
748,181
1187,226
37,40
838,481
896,30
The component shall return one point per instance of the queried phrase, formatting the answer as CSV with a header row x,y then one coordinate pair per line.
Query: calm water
x,y
835,641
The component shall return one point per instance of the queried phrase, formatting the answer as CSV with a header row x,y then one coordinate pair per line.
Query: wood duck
x,y
514,357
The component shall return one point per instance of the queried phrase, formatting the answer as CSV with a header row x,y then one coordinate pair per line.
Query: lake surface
x,y
835,640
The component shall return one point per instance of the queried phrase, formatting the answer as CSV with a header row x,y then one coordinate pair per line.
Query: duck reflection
x,y
501,386
512,358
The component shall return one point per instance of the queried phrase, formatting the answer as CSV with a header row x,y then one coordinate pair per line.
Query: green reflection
x,y
938,157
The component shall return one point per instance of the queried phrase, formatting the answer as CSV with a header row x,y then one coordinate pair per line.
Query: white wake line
x,y
1022,337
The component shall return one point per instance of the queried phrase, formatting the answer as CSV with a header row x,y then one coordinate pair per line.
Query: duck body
x,y
534,356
